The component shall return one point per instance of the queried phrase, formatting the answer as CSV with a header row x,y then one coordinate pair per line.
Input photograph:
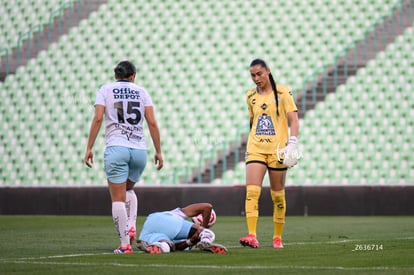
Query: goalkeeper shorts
x,y
270,160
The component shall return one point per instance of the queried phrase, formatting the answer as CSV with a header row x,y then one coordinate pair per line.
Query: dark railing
x,y
213,155
5,52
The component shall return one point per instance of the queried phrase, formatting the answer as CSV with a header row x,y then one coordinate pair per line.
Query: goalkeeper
x,y
168,231
269,148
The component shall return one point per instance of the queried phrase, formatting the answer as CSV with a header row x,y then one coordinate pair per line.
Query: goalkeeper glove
x,y
290,153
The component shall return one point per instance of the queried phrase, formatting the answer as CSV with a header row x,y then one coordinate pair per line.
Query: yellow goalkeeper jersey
x,y
269,131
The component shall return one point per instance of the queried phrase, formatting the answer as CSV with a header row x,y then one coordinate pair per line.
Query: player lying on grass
x,y
169,231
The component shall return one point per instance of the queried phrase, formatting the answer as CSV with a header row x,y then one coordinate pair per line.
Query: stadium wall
x,y
227,200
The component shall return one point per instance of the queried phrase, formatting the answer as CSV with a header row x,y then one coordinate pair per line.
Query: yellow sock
x,y
279,211
278,229
252,207
252,224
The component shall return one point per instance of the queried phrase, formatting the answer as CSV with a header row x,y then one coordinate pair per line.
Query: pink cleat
x,y
132,234
277,243
124,249
249,240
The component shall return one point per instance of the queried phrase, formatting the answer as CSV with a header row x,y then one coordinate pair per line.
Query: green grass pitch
x,y
313,245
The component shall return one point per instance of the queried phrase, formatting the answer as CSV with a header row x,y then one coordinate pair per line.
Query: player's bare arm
x,y
294,123
195,238
93,133
197,208
155,135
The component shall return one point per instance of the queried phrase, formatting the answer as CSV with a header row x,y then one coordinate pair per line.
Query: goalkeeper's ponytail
x,y
273,83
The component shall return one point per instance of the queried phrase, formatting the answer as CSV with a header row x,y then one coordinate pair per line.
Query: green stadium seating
x,y
362,134
193,59
18,17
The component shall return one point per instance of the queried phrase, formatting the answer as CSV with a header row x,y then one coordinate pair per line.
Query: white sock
x,y
165,248
207,236
119,216
131,205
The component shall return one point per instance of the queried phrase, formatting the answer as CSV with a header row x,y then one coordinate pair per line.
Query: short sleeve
x,y
100,97
249,106
147,100
178,212
289,102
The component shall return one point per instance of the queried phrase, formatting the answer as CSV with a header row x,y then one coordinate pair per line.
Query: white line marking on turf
x,y
229,267
61,256
34,260
76,255
232,247
109,253
306,243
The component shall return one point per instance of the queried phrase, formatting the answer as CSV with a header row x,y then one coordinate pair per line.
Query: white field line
x,y
221,267
137,251
38,260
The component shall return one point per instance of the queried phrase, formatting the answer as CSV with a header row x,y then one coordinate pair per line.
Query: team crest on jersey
x,y
265,126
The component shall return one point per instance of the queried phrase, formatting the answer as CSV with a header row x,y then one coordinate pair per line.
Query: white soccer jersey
x,y
179,213
124,103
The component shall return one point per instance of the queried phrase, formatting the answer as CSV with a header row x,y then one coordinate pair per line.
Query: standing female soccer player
x,y
271,108
124,105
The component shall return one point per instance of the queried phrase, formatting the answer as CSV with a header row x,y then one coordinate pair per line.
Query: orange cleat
x,y
212,247
153,249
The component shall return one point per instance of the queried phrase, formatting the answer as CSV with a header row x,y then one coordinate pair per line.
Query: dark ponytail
x,y
124,69
262,63
273,83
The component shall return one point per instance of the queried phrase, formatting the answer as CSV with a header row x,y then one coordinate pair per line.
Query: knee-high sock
x,y
119,216
252,207
279,211
131,205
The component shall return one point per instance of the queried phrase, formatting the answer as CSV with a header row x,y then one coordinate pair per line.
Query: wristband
x,y
293,140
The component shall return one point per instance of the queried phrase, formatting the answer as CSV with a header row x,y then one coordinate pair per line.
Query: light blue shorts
x,y
122,163
164,226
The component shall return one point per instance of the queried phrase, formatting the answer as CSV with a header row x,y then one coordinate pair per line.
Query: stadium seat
x,y
19,16
195,68
374,118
